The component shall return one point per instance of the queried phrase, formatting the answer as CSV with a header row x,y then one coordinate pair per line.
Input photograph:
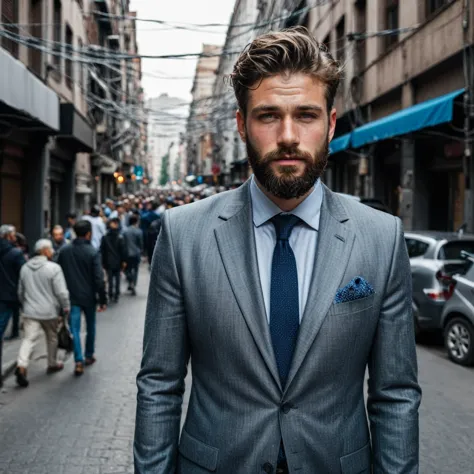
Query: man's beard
x,y
287,185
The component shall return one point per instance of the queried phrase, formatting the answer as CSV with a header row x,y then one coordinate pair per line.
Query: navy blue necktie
x,y
284,297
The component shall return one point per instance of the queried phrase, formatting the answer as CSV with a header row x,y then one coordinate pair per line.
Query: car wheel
x,y
416,324
459,341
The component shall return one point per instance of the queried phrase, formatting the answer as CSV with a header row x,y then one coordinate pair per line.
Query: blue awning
x,y
426,114
340,143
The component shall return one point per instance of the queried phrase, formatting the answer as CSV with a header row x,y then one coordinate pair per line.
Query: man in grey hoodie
x,y
42,292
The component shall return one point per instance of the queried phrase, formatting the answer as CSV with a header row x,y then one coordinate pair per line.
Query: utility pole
x,y
468,167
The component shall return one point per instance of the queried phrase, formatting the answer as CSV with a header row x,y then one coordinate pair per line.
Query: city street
x,y
67,425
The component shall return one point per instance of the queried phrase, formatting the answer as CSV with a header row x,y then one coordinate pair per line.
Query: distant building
x,y
166,124
199,133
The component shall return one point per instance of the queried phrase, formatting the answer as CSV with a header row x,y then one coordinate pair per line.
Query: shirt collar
x,y
264,209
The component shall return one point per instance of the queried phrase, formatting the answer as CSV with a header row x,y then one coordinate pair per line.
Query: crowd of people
x,y
76,270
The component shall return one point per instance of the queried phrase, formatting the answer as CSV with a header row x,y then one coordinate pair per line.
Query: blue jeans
x,y
75,325
133,265
5,315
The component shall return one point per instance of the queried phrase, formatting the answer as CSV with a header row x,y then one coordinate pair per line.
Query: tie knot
x,y
284,224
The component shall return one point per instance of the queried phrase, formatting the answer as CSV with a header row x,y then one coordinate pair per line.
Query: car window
x,y
416,248
452,250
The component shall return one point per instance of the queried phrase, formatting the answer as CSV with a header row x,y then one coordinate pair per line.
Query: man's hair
x,y
71,215
6,229
114,220
133,219
82,228
154,205
290,51
42,244
58,227
95,211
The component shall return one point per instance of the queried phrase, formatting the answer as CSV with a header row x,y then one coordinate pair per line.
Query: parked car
x,y
434,258
458,316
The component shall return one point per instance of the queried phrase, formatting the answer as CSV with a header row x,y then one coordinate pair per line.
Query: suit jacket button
x,y
268,468
285,408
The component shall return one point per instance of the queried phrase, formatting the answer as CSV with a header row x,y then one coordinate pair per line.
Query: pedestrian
x,y
98,226
11,261
134,247
22,244
69,233
82,269
58,239
43,294
281,293
153,232
114,258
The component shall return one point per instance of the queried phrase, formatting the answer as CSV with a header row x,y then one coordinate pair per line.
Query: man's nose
x,y
288,136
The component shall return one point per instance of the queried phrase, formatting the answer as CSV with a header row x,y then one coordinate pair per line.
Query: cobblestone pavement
x,y
64,425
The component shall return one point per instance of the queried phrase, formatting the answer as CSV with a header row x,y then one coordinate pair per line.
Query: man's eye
x,y
268,117
308,117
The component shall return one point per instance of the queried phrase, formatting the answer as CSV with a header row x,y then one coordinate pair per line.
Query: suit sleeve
x,y
394,394
164,364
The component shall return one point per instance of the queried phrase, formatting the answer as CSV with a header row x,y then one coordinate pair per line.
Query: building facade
x,y
61,108
402,61
199,131
166,124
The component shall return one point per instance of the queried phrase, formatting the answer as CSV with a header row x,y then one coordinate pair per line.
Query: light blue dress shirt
x,y
303,239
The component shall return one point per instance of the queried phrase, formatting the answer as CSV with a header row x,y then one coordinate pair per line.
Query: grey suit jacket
x,y
205,301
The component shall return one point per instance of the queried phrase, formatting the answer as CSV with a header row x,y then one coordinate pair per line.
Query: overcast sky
x,y
171,41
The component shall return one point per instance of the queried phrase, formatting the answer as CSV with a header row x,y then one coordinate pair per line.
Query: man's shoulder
x,y
210,206
365,218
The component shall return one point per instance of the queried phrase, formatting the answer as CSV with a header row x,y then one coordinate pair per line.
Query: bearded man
x,y
282,293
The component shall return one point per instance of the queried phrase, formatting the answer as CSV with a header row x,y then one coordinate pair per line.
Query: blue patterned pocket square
x,y
356,289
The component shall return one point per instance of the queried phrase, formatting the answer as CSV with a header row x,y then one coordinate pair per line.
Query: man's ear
x,y
332,123
240,124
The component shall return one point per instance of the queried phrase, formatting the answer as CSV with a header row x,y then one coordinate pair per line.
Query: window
x,y
416,248
452,250
341,41
57,34
326,42
361,27
9,19
433,5
391,22
69,52
301,18
35,55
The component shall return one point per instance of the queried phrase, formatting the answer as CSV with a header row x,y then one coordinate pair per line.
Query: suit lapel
x,y
335,241
237,249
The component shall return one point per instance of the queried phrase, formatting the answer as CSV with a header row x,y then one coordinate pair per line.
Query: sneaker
x,y
90,360
79,369
56,368
21,379
134,293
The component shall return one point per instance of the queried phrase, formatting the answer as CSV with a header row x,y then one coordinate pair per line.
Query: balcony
x,y
434,42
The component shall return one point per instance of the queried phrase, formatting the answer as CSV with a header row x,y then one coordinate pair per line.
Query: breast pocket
x,y
362,304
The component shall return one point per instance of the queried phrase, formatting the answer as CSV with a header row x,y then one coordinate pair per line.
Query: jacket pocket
x,y
198,452
354,306
357,462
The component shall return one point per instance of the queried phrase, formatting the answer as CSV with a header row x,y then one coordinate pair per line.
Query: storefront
x,y
414,162
29,115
